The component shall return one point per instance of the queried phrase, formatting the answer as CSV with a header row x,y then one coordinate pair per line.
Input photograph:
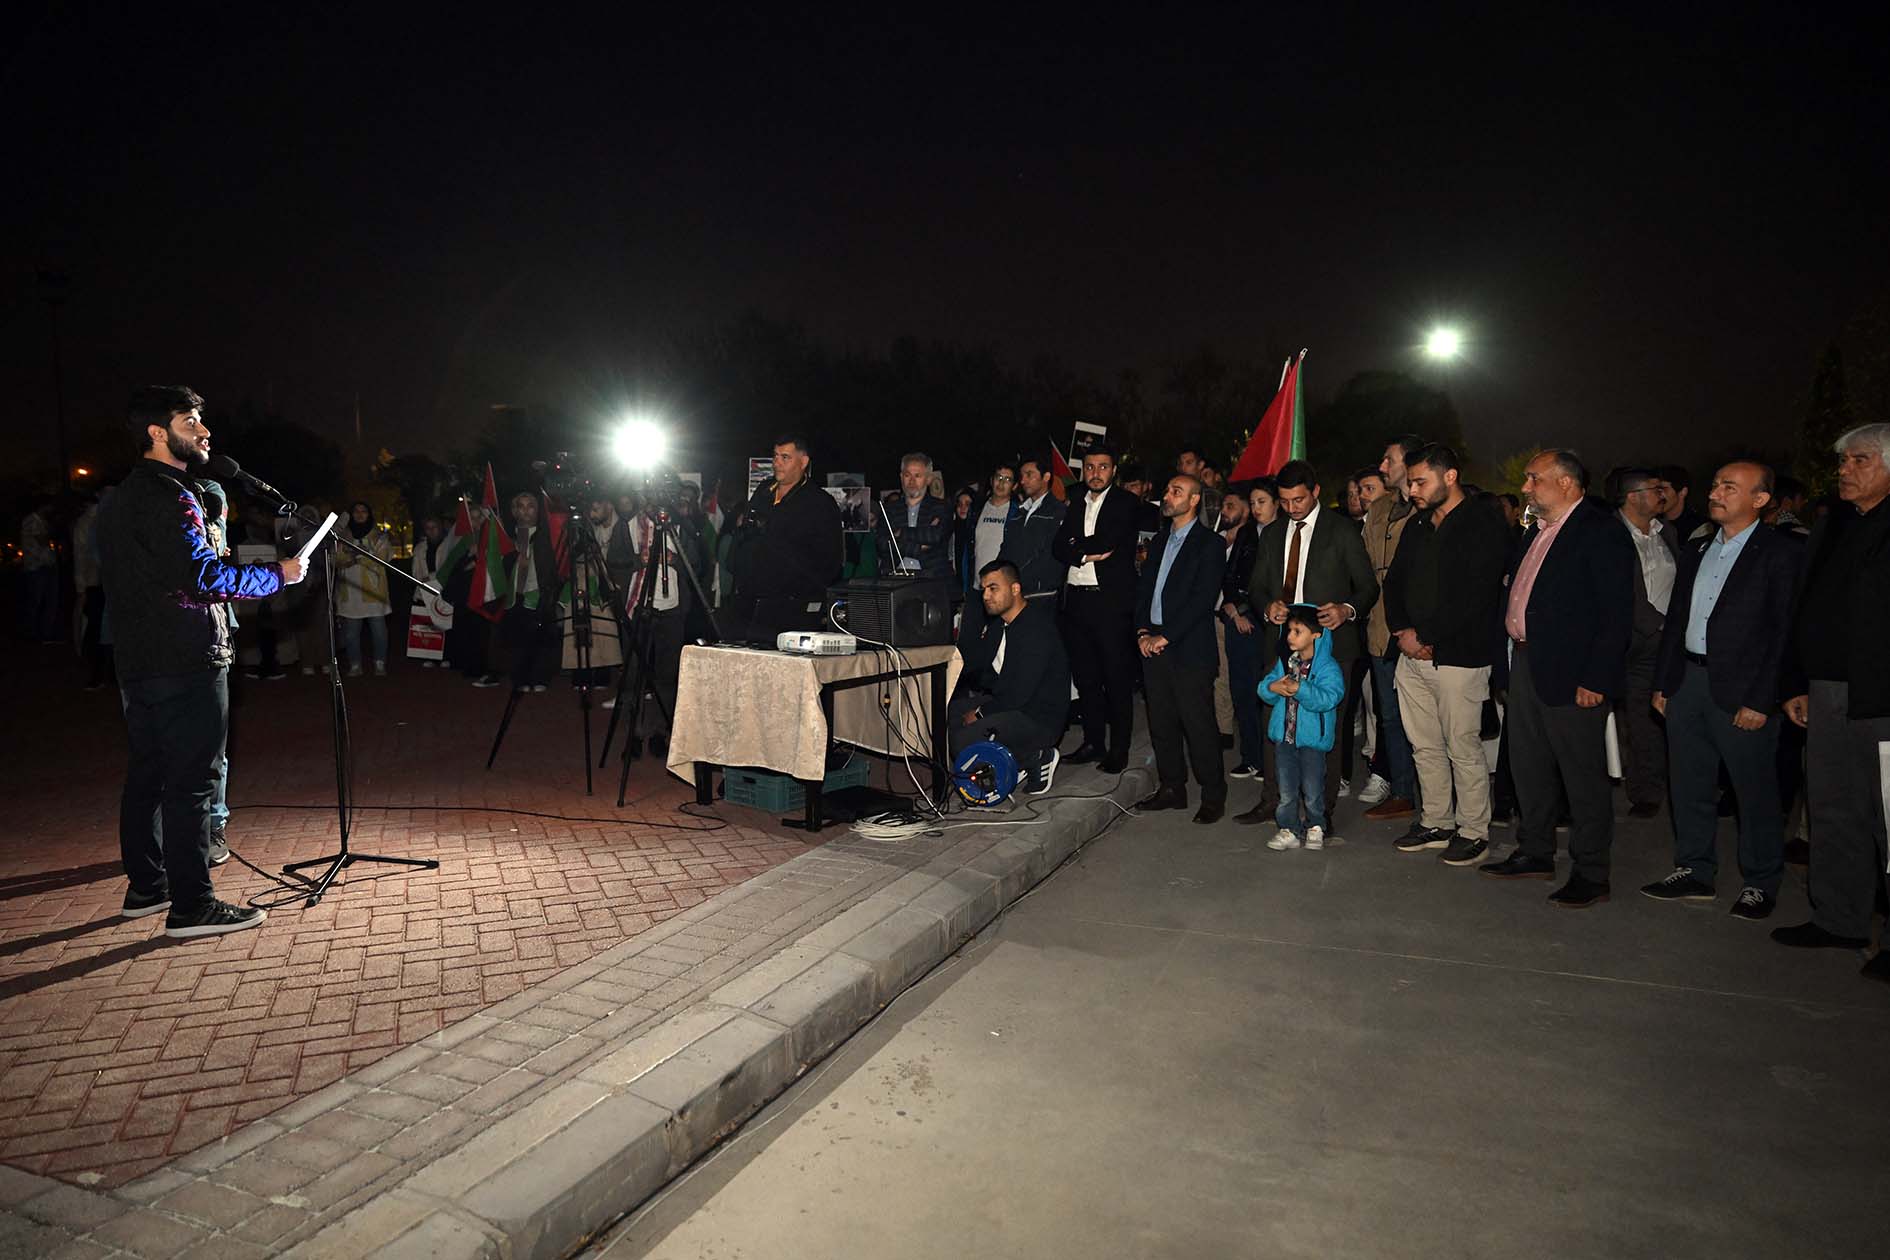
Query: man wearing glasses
x,y
1642,498
996,513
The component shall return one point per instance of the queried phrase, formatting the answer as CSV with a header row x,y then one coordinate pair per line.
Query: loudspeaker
x,y
905,612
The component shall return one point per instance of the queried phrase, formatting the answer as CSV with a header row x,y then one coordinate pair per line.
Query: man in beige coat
x,y
1393,784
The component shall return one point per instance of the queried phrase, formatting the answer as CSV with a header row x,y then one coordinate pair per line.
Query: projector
x,y
816,643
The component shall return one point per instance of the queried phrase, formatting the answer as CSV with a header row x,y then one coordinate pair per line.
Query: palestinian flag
x,y
1281,435
459,543
1061,474
490,585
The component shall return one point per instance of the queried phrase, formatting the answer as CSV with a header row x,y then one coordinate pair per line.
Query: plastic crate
x,y
765,789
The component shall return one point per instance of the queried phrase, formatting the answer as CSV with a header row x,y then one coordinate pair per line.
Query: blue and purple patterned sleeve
x,y
203,577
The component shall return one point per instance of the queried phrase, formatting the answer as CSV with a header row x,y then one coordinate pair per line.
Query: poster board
x,y
759,471
1084,438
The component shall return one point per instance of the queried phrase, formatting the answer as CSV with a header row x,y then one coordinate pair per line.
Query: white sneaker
x,y
1345,787
354,671
609,701
1283,840
1376,789
1315,837
380,669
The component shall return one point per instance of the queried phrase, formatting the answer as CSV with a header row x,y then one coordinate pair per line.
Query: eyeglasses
x,y
1001,477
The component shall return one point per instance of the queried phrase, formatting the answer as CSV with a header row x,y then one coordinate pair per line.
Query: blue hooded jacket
x,y
1320,694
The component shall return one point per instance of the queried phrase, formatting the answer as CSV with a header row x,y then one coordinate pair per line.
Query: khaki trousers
x,y
1442,707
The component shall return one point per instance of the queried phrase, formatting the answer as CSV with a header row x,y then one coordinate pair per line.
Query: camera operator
x,y
789,551
171,631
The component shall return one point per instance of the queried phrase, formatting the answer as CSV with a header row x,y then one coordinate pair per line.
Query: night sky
x,y
1642,230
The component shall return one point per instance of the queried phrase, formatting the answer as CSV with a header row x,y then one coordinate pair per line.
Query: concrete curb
x,y
615,1129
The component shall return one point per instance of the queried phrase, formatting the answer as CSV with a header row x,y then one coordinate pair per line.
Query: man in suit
x,y
1640,496
1096,544
1015,685
1569,616
1840,685
1718,684
1311,555
1032,528
1174,618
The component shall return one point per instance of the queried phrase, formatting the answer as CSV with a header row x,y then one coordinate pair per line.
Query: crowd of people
x,y
1467,660
1412,647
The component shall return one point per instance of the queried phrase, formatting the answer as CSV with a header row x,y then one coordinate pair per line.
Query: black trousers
x,y
533,639
176,727
1099,635
1642,733
1026,737
1556,748
1181,726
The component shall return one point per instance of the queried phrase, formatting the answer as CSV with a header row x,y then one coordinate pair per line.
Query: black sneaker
x,y
1579,893
1045,774
1242,771
1519,866
138,904
1812,936
1421,837
1753,904
1679,886
219,848
215,919
1463,851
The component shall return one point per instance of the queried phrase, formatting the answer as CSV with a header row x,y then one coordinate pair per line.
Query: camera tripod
x,y
588,571
640,673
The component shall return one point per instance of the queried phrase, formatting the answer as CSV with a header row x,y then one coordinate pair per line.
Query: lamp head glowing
x,y
639,443
1443,343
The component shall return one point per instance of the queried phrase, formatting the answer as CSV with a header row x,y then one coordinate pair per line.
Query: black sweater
x,y
1036,676
1446,583
792,548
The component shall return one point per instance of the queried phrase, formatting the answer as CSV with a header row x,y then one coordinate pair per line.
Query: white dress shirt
x,y
1084,574
1307,528
1658,568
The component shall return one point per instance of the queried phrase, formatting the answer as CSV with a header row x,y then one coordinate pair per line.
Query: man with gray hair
x,y
920,542
1840,692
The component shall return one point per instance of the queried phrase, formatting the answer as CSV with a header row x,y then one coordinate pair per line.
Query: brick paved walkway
x,y
120,1049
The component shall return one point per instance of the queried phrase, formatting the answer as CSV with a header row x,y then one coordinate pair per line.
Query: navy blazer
x,y
1117,523
1190,597
1581,609
1746,632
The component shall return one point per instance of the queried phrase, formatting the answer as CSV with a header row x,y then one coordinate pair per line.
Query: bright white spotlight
x,y
639,443
1443,343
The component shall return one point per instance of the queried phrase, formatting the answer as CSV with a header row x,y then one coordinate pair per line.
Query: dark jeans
x,y
1701,736
1844,791
176,727
1560,746
1181,726
1244,672
1399,769
1302,787
1016,730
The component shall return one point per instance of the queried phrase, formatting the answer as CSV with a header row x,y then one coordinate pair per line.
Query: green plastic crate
x,y
765,789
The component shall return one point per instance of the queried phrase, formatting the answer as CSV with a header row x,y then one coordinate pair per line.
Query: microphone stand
x,y
344,857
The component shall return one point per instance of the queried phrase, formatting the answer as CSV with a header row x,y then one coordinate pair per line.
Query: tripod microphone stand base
x,y
339,862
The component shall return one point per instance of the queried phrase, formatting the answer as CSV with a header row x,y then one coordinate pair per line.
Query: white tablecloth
x,y
744,707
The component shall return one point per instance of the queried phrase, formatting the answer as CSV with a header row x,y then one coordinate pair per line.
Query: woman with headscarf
x,y
361,589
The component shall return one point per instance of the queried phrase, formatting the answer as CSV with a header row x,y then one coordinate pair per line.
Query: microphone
x,y
224,466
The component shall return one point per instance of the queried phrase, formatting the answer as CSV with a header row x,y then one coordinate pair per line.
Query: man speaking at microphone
x,y
170,625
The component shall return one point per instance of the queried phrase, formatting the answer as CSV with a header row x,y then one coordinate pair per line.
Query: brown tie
x,y
1292,565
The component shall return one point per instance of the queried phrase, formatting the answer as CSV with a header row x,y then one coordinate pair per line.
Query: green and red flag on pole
x,y
1281,435
490,585
1061,474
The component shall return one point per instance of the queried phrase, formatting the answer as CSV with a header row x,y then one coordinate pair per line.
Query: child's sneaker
x,y
1283,839
1315,837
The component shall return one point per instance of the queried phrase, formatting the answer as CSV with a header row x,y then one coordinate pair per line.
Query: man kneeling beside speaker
x,y
1015,684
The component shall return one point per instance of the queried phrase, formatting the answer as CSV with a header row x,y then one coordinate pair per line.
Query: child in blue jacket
x,y
1304,692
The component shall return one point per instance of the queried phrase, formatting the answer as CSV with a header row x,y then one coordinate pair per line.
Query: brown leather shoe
x,y
1391,807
